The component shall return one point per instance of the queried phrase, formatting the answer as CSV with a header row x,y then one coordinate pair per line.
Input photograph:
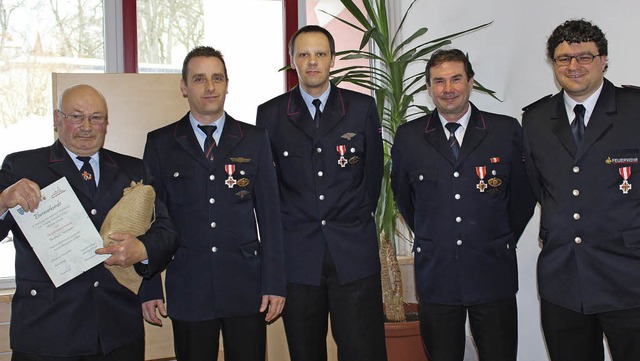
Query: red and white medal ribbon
x,y
625,173
230,169
481,171
342,150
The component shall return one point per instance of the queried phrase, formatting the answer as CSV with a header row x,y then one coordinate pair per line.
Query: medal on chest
x,y
625,173
342,149
230,169
481,171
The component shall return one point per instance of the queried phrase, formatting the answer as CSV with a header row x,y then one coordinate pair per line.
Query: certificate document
x,y
61,233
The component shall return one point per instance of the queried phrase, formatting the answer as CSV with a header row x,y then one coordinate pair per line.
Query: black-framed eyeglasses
x,y
95,119
582,59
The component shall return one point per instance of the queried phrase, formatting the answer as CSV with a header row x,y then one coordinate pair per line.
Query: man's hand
x,y
24,192
275,304
149,311
125,250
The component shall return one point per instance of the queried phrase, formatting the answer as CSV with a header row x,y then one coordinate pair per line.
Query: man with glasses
x,y
582,147
91,317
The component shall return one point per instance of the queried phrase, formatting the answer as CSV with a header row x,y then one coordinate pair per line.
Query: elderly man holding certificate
x,y
90,316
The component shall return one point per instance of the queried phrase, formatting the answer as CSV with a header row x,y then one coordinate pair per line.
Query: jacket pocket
x,y
504,245
179,183
631,237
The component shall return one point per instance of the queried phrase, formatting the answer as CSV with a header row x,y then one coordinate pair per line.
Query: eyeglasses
x,y
77,119
582,59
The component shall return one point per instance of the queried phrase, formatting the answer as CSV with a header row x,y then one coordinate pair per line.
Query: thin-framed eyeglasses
x,y
77,119
582,59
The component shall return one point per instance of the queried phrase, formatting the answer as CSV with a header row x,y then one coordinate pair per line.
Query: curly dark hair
x,y
577,31
205,51
443,56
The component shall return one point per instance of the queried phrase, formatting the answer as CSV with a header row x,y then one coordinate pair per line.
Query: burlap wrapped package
x,y
133,214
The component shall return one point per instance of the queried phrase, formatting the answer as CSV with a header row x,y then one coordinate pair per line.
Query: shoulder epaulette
x,y
632,87
536,102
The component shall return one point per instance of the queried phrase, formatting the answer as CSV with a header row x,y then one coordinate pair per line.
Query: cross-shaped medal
x,y
230,182
625,187
481,185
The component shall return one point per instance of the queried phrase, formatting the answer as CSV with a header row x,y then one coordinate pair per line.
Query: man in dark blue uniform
x,y
327,147
217,178
93,316
460,183
582,148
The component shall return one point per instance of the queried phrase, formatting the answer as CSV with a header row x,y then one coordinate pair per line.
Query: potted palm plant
x,y
394,87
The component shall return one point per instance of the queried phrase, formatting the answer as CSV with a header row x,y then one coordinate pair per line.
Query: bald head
x,y
79,91
83,138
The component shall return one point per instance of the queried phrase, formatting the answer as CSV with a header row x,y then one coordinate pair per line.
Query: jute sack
x,y
133,214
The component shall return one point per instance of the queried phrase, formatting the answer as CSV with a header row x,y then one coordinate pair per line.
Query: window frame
x,y
121,48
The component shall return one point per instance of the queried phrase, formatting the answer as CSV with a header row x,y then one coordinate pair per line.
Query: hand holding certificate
x,y
61,233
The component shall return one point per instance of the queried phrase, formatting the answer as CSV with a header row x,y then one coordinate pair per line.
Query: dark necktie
x,y
577,125
453,141
316,118
87,174
209,142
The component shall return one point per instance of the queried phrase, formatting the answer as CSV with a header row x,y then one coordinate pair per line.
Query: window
x,y
39,37
252,44
345,36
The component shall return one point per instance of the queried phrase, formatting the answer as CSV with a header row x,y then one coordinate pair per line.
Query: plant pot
x,y
403,340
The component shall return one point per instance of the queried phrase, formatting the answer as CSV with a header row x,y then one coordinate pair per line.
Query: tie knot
x,y
579,109
452,127
316,103
208,129
85,160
